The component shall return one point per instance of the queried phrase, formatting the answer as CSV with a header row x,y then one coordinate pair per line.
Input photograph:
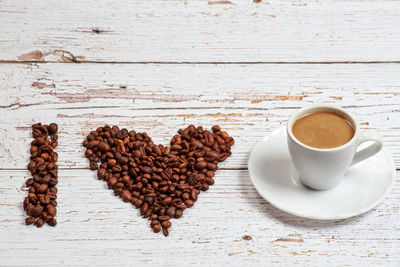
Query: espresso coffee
x,y
323,130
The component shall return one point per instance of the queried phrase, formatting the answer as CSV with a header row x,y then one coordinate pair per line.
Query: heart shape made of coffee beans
x,y
161,181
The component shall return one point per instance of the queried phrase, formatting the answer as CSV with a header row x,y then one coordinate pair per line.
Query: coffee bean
x,y
103,147
149,200
212,154
52,222
212,166
204,187
35,211
156,228
44,199
210,174
29,182
216,128
101,174
39,222
166,224
171,212
126,196
189,203
29,220
52,128
51,210
178,213
201,165
164,218
165,232
112,182
144,209
42,188
147,169
93,165
197,143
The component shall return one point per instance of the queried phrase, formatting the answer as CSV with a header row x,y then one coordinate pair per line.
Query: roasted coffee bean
x,y
144,209
42,191
29,182
166,224
103,147
189,203
35,211
171,212
51,210
39,222
212,166
44,199
93,165
52,222
156,228
160,181
101,174
126,196
52,128
29,220
165,232
164,218
216,128
178,213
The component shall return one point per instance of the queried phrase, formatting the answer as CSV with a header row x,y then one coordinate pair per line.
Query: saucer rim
x,y
345,216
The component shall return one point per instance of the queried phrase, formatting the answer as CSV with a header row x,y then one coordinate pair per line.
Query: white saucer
x,y
362,188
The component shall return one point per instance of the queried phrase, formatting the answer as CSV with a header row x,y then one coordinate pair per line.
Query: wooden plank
x,y
199,31
95,226
160,99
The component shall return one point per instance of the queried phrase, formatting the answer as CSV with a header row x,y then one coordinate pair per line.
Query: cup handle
x,y
371,150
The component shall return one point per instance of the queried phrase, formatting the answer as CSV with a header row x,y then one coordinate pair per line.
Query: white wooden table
x,y
158,66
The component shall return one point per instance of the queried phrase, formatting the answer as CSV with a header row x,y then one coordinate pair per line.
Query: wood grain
x,y
95,226
199,31
160,99
149,66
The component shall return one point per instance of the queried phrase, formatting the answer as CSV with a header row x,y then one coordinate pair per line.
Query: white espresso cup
x,y
321,168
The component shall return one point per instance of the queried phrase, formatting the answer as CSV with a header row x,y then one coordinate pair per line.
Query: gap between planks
x,y
199,62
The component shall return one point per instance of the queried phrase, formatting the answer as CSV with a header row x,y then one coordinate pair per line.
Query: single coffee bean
x,y
29,220
101,173
189,203
171,212
44,199
166,224
103,147
35,211
164,218
93,165
144,209
165,232
51,210
201,165
29,182
52,128
212,166
42,188
178,213
52,222
216,128
39,222
156,228
126,196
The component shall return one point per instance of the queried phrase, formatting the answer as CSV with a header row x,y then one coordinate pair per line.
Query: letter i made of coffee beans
x,y
40,204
